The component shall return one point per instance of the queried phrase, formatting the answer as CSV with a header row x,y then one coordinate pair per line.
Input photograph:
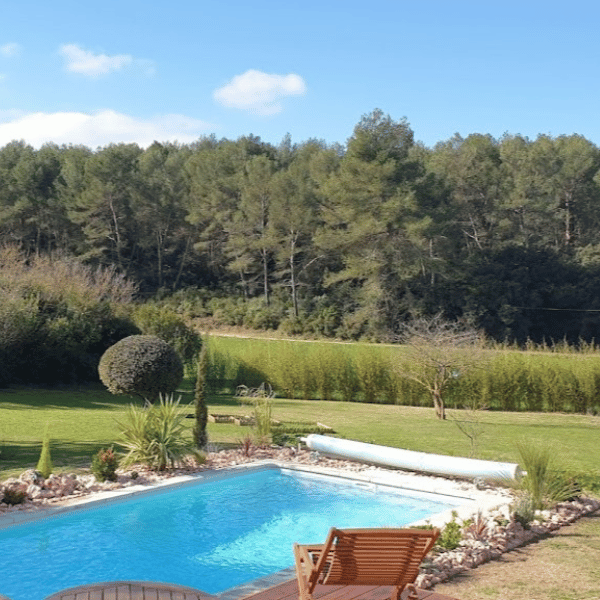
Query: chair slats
x,y
363,557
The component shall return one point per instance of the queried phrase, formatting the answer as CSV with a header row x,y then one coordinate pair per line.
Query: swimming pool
x,y
211,535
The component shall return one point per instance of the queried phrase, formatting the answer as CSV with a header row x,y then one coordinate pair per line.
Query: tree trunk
x,y
438,403
182,262
293,276
265,261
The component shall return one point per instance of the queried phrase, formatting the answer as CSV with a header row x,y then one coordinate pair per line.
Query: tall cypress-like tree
x,y
201,409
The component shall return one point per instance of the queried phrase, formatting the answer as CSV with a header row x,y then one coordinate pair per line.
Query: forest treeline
x,y
329,239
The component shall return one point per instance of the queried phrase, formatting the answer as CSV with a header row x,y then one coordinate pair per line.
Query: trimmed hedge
x,y
142,365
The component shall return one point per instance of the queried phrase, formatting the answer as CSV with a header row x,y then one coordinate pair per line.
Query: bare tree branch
x,y
438,352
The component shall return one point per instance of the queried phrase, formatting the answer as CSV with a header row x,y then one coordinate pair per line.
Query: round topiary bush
x,y
143,365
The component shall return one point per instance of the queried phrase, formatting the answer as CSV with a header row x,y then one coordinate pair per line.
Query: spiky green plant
x,y
155,436
543,483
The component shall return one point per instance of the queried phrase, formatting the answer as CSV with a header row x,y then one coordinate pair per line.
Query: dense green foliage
x,y
142,365
104,464
507,380
451,534
168,325
543,484
328,240
155,436
57,317
200,406
44,465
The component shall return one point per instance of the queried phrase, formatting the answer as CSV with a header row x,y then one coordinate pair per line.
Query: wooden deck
x,y
284,591
289,591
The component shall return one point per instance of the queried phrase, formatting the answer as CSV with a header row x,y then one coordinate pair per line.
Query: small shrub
x,y
142,365
324,321
260,398
291,326
105,464
14,495
228,311
476,527
44,465
523,510
451,535
246,445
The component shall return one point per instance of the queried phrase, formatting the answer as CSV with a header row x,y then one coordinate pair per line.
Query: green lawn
x,y
81,420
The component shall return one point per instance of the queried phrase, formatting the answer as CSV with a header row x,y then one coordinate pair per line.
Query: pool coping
x,y
475,500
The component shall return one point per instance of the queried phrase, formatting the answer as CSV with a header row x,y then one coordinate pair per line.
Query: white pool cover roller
x,y
413,461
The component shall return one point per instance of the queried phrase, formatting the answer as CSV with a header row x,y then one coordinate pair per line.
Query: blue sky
x,y
94,72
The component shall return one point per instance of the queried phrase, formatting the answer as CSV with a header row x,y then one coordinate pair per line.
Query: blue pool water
x,y
212,535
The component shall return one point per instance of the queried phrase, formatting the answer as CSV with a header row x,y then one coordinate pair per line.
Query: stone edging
x,y
488,540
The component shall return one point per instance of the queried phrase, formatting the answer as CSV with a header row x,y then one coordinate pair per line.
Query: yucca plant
x,y
155,436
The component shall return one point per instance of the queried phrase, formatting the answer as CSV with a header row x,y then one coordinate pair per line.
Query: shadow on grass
x,y
93,396
223,400
36,398
16,457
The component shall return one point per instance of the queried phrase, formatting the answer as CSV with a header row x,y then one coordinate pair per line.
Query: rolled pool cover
x,y
423,462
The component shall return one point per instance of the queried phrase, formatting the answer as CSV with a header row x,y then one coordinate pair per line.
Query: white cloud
x,y
10,49
99,129
87,63
259,92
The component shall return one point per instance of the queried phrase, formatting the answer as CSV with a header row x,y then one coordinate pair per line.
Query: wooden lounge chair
x,y
364,557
